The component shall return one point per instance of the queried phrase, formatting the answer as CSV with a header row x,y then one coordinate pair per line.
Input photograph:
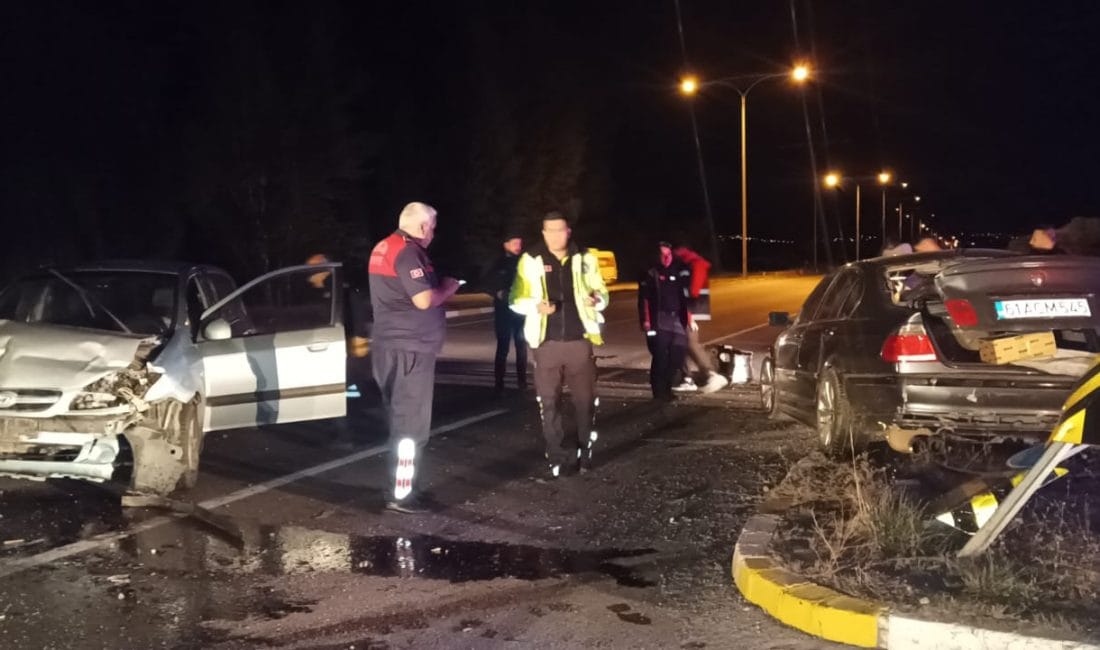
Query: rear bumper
x,y
1028,407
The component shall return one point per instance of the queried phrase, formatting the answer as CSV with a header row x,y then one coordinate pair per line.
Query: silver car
x,y
143,359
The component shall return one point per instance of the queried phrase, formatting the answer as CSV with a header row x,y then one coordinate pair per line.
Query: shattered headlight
x,y
116,389
99,394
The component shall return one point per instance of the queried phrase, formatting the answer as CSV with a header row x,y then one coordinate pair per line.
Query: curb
x,y
831,615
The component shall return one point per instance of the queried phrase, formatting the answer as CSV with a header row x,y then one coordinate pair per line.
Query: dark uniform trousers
x,y
668,350
509,327
571,363
406,380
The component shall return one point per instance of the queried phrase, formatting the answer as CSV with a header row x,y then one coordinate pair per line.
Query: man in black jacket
x,y
663,295
508,324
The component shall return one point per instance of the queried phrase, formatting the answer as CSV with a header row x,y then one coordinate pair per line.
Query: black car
x,y
890,346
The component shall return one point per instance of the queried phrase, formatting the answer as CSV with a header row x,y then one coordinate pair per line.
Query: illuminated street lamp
x,y
690,86
884,178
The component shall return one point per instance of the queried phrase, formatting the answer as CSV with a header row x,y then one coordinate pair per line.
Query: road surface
x,y
633,554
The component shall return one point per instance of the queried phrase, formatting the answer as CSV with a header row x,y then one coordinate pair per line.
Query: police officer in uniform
x,y
409,326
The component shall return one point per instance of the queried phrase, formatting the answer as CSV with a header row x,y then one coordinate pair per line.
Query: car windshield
x,y
138,301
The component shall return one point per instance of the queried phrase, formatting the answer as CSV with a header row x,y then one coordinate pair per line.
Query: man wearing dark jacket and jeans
x,y
507,323
663,315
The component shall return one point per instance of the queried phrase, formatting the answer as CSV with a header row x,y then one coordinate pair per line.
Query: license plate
x,y
1042,308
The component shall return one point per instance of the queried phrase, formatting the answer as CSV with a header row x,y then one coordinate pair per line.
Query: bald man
x,y
409,326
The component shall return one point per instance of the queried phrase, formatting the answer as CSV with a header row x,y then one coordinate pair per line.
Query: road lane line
x,y
17,565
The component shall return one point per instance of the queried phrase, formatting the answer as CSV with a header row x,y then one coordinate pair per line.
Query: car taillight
x,y
962,312
908,347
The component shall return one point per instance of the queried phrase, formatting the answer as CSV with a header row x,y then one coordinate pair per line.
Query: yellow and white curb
x,y
831,615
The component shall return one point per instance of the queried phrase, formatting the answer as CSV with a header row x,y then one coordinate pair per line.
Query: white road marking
x,y
22,564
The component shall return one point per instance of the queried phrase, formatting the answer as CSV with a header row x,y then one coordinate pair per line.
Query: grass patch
x,y
849,526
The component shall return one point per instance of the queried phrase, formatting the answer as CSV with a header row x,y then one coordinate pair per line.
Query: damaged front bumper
x,y
55,454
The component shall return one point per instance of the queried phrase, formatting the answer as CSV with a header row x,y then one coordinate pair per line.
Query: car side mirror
x,y
217,330
779,318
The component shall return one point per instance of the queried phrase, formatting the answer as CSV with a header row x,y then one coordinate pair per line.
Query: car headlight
x,y
94,400
115,389
99,394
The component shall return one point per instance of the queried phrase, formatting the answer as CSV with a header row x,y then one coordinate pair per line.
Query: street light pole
x,y
882,244
857,222
901,232
744,193
690,85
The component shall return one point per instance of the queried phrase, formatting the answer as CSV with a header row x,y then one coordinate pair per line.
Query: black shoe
x,y
411,505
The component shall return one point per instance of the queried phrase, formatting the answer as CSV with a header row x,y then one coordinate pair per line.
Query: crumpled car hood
x,y
63,358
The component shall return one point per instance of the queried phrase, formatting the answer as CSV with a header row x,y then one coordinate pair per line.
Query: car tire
x,y
769,394
834,417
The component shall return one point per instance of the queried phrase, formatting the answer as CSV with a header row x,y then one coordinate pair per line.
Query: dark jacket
x,y
498,280
664,290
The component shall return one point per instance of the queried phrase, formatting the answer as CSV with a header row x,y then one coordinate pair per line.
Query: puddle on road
x,y
293,550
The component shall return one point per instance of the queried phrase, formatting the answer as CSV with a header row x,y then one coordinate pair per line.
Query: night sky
x,y
253,134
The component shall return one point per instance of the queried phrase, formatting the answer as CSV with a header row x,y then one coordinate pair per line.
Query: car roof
x,y
147,266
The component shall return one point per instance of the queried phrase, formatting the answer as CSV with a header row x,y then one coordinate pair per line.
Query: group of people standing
x,y
554,296
548,299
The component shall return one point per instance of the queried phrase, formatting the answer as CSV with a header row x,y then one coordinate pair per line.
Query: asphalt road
x,y
633,554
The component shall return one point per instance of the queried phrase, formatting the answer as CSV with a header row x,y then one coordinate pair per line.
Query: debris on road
x,y
220,523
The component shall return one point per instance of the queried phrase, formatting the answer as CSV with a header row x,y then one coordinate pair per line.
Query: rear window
x,y
903,281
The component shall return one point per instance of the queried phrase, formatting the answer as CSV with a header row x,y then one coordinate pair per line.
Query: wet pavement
x,y
634,554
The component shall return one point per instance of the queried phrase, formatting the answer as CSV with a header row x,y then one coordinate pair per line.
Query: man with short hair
x,y
409,326
559,290
507,323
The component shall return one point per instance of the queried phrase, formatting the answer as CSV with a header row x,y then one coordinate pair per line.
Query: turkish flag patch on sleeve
x,y
416,274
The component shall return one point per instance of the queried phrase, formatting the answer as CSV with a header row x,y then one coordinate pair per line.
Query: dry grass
x,y
849,528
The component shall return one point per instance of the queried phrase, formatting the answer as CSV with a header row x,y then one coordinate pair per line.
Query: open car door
x,y
1023,294
273,351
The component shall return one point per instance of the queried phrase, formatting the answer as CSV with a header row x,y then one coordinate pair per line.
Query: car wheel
x,y
190,428
769,395
833,416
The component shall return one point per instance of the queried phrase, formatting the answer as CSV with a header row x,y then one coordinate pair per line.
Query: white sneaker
x,y
715,382
688,386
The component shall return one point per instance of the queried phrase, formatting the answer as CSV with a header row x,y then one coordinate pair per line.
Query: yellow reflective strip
x,y
1059,472
984,506
1082,391
1071,429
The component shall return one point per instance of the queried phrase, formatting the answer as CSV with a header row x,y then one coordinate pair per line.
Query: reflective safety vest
x,y
529,289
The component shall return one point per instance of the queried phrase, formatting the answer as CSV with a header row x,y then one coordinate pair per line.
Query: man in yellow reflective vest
x,y
559,290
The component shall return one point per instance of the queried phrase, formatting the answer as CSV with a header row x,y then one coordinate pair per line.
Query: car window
x,y
218,286
292,301
836,299
135,301
809,308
